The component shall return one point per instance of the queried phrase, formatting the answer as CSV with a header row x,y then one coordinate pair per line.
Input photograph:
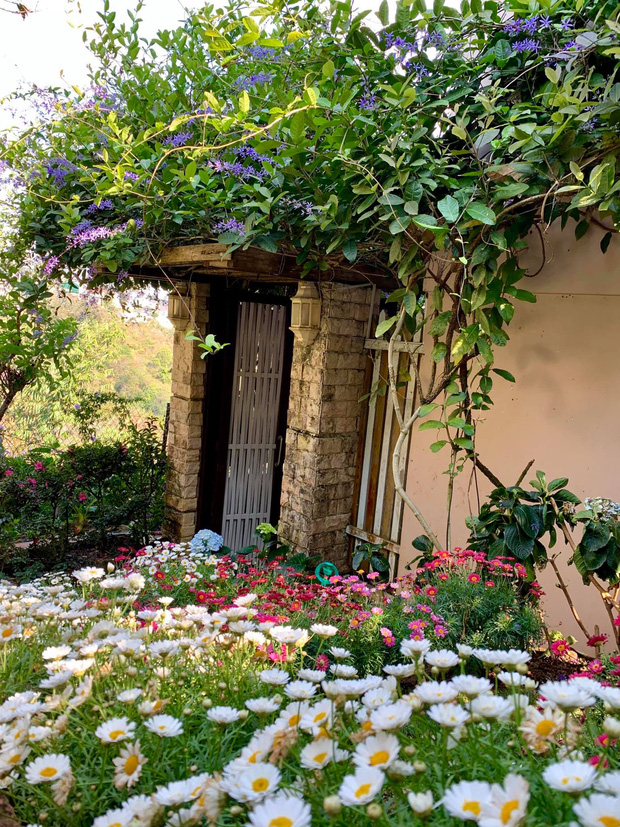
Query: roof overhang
x,y
201,262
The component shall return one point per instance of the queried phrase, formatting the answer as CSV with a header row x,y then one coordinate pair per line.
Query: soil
x,y
7,814
546,667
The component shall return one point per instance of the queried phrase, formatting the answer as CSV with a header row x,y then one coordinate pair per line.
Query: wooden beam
x,y
195,254
254,262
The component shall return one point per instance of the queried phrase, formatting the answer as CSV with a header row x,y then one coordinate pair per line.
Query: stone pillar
x,y
327,381
186,412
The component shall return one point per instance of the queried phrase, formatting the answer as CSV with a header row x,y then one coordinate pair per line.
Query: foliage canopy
x,y
428,145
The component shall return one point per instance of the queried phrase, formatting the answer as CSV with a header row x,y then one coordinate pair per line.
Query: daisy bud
x,y
434,670
419,766
187,711
110,568
612,726
522,668
421,803
76,807
236,810
374,811
243,714
410,749
332,805
207,703
221,685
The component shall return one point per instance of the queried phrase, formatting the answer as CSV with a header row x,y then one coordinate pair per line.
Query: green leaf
x,y
449,208
503,50
424,410
384,326
298,127
480,212
328,69
518,543
358,559
427,222
560,482
423,543
437,446
504,374
439,352
383,13
430,424
566,496
244,102
349,249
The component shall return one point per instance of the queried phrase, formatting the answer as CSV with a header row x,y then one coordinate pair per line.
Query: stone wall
x,y
327,381
189,312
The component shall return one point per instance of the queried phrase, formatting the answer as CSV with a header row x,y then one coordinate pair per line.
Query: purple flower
x,y
106,204
368,101
77,406
50,265
177,140
302,205
568,23
229,225
514,27
530,26
131,176
84,233
68,339
249,81
528,44
545,22
262,53
58,169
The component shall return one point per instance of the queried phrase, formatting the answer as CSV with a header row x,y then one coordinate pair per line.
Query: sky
x,y
49,40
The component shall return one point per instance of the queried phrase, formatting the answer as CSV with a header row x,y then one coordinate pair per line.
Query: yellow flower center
x,y
545,728
380,757
472,807
609,821
14,759
319,717
294,720
254,757
49,772
508,809
281,821
116,824
260,785
116,733
7,632
570,778
362,790
131,764
320,757
366,726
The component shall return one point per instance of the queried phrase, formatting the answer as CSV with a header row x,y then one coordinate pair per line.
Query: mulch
x,y
546,667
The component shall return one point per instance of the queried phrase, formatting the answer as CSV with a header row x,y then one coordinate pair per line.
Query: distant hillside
x,y
133,358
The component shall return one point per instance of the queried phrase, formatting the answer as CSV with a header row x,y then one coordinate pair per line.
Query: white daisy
x,y
599,811
47,768
379,751
115,729
466,799
569,776
361,787
281,810
508,804
165,726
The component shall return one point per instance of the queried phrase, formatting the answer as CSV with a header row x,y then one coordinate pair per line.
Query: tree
x,y
33,341
429,148
13,7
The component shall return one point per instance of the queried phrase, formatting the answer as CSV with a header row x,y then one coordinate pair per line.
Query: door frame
x,y
219,378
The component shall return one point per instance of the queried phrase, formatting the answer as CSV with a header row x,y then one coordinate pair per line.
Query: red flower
x,y
159,575
8,472
474,578
82,496
559,647
596,639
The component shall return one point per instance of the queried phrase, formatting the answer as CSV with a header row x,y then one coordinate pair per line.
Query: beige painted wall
x,y
563,410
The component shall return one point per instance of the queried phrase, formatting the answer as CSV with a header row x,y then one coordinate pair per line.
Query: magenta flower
x,y
81,496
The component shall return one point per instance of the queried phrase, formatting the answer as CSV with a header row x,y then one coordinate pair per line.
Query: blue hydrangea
x,y
206,540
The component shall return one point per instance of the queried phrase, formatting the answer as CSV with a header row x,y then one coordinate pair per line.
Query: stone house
x,y
272,428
